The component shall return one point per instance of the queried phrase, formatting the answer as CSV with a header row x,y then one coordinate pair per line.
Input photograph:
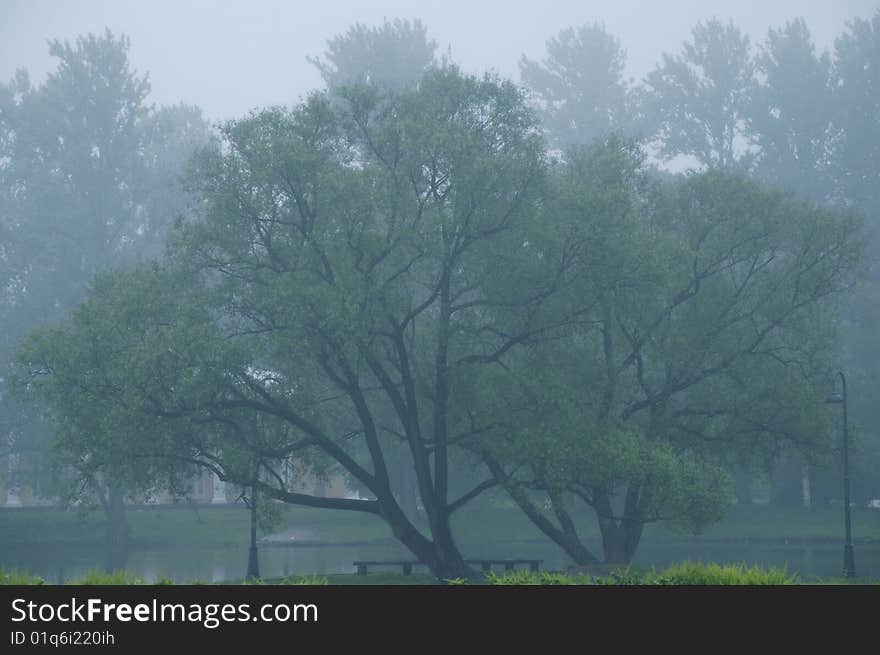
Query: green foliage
x,y
264,339
523,577
456,581
625,576
392,56
377,272
712,329
98,577
581,92
857,89
791,114
314,580
269,515
14,577
90,171
699,99
697,573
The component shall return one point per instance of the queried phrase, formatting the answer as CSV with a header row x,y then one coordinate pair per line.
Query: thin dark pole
x,y
253,572
849,558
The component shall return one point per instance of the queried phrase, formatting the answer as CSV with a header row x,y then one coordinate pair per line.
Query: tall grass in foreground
x,y
685,573
696,573
96,577
19,578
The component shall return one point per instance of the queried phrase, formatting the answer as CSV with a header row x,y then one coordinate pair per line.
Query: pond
x,y
57,565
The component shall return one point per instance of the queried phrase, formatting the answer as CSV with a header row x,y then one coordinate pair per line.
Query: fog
x,y
231,57
282,263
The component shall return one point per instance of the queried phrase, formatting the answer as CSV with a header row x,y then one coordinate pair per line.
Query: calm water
x,y
62,565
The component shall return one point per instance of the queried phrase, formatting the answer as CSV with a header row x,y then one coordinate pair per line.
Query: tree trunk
x,y
440,554
619,541
564,535
253,569
621,535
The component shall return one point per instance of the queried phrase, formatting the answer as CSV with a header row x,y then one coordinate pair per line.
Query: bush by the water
x,y
19,578
686,573
96,577
318,580
537,578
696,573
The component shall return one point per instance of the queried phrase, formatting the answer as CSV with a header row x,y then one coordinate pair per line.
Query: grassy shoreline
x,y
685,573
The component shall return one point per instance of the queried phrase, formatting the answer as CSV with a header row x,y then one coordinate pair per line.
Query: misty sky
x,y
231,56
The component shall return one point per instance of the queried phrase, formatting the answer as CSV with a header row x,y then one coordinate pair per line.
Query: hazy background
x,y
229,57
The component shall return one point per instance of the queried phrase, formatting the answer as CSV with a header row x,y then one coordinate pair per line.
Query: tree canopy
x,y
704,344
700,98
89,180
409,280
581,92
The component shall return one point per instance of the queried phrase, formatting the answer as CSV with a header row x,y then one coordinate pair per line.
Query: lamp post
x,y
849,560
253,572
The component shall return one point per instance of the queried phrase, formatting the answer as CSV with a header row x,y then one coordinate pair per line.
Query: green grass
x,y
696,573
334,579
382,578
684,573
96,577
19,578
538,578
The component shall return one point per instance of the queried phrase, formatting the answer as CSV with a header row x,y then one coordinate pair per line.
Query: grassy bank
x,y
684,573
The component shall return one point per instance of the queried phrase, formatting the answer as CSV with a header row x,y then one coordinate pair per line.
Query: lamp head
x,y
834,398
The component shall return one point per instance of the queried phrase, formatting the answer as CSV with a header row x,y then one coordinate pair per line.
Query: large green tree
x,y
856,162
857,89
358,264
697,102
708,338
392,56
580,90
389,58
790,119
89,177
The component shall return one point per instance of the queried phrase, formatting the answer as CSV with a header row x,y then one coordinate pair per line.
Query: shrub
x,y
96,577
456,581
318,580
625,576
19,578
537,578
697,573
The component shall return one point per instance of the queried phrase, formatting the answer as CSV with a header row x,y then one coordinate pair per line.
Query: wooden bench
x,y
406,564
485,564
